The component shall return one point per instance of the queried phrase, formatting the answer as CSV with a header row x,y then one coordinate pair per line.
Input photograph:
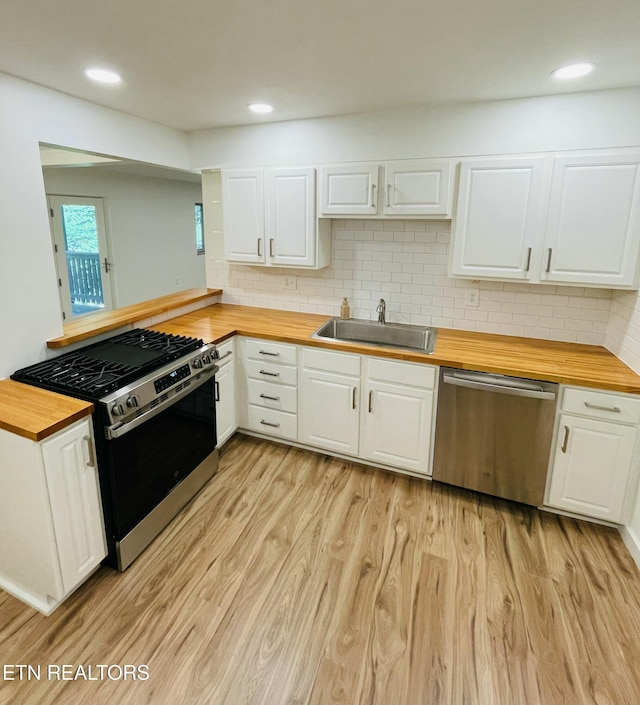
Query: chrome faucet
x,y
382,311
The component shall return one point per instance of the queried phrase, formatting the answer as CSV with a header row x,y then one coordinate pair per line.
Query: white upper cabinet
x,y
417,187
349,190
498,218
243,215
593,226
269,218
291,216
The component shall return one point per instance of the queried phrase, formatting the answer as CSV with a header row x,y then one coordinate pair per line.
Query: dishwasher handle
x,y
475,381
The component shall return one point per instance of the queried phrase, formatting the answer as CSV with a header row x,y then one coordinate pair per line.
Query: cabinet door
x,y
349,190
593,227
226,423
291,217
72,479
497,219
591,467
328,411
397,425
419,187
243,215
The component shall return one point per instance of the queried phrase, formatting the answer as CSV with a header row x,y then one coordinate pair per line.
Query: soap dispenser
x,y
345,310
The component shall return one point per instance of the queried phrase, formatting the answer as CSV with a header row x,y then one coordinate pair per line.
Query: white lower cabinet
x,y
383,415
397,414
226,417
268,389
329,397
52,529
593,469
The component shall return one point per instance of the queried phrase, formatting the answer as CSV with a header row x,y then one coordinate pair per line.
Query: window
x,y
199,229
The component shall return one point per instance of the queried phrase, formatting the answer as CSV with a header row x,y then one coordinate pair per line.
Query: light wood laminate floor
x,y
298,578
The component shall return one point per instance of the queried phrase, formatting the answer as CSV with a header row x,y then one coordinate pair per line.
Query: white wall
x,y
150,224
575,121
29,114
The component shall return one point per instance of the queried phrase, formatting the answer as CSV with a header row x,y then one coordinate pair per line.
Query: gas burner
x,y
101,368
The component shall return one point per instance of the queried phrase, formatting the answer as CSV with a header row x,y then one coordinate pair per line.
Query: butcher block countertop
x,y
36,413
567,363
87,327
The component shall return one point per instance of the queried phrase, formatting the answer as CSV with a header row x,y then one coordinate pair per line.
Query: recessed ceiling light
x,y
573,70
103,76
260,107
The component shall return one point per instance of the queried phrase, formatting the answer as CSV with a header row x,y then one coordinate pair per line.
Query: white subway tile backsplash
x,y
406,262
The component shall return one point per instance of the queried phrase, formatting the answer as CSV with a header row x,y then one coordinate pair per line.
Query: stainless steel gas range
x,y
155,426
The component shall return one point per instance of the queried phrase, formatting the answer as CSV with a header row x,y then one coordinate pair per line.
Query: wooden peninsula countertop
x,y
36,413
567,363
88,326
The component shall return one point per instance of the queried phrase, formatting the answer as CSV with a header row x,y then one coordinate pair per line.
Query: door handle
x,y
388,195
259,247
526,269
565,440
107,265
549,251
353,397
270,247
216,391
373,195
370,400
91,463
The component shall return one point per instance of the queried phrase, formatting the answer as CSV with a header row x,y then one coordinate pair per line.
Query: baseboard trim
x,y
632,542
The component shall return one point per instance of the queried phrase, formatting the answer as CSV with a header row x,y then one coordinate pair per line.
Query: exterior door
x,y
81,254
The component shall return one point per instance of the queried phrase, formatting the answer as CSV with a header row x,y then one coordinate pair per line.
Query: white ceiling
x,y
197,63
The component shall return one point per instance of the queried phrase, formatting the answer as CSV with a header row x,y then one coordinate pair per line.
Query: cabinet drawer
x,y
413,375
225,352
599,405
268,372
273,423
342,363
270,352
272,396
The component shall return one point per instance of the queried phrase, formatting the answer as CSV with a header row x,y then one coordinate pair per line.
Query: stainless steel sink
x,y
394,335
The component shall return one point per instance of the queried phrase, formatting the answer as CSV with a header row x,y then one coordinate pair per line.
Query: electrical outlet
x,y
290,283
472,298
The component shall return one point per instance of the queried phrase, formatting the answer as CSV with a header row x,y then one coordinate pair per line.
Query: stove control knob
x,y
197,363
133,401
206,359
117,410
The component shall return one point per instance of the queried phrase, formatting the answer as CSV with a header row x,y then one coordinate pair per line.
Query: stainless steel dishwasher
x,y
493,433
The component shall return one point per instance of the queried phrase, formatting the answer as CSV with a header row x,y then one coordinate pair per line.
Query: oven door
x,y
151,462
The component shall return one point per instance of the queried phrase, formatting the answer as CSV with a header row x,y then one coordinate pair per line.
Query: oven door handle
x,y
120,429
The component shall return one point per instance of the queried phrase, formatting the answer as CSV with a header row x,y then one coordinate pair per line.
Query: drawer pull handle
x,y
353,397
266,352
615,409
266,396
91,463
268,423
566,439
370,401
270,374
